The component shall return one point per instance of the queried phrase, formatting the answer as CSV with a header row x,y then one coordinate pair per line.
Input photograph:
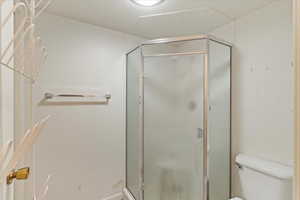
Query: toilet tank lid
x,y
267,167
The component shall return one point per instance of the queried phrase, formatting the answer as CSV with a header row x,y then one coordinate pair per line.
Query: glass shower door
x,y
133,121
173,127
219,121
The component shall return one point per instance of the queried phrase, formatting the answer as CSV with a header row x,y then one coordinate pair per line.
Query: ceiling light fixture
x,y
147,3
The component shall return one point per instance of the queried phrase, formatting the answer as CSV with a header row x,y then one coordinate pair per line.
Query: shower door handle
x,y
199,133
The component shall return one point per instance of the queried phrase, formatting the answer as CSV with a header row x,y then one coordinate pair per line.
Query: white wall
x,y
83,145
262,85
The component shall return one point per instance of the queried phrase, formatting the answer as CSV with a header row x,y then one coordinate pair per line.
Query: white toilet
x,y
261,179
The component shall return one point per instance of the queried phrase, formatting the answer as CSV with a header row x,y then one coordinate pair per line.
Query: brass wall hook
x,y
20,174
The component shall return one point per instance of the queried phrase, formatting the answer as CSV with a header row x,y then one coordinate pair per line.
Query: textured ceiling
x,y
171,18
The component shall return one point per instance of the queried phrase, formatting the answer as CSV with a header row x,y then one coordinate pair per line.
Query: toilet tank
x,y
264,180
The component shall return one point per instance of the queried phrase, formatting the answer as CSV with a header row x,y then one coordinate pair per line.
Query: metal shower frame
x,y
127,193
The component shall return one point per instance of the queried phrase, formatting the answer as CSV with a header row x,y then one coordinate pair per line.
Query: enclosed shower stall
x,y
178,116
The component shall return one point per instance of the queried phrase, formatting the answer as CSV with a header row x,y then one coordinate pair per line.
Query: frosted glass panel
x,y
219,121
133,142
173,122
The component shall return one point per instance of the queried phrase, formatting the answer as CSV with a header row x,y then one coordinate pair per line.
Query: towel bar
x,y
51,96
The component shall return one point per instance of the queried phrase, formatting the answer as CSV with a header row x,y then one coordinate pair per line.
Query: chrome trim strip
x,y
132,50
230,125
142,125
174,39
176,54
128,194
205,125
186,38
215,39
126,120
